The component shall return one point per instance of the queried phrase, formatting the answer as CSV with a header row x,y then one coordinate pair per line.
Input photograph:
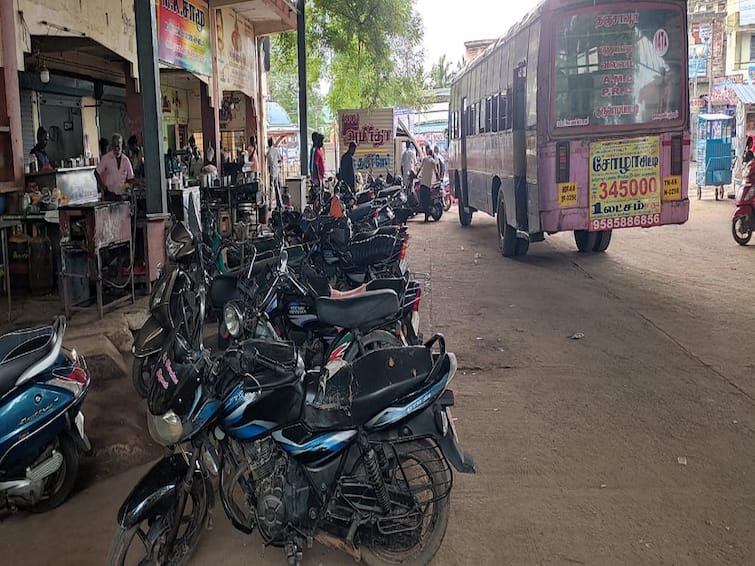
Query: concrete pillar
x,y
208,121
152,120
133,107
217,96
12,106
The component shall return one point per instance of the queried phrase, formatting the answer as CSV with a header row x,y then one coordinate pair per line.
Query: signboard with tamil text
x,y
236,48
184,36
625,183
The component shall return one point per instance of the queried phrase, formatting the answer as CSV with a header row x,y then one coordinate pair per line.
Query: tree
x,y
443,72
440,73
284,80
375,48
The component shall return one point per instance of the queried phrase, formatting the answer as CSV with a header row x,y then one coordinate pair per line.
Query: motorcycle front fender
x,y
156,492
743,210
150,338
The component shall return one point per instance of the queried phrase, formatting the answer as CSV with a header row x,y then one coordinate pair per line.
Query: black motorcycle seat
x,y
382,231
360,212
359,391
374,250
21,349
359,311
389,192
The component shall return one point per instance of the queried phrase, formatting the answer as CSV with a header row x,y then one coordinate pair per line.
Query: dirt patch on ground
x,y
115,423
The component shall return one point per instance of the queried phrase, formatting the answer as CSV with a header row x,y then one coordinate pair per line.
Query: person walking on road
x,y
273,165
408,161
346,170
427,173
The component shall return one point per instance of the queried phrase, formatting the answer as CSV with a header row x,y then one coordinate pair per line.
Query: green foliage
x,y
360,54
284,80
443,72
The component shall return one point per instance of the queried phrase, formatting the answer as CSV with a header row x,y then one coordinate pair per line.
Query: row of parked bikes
x,y
316,411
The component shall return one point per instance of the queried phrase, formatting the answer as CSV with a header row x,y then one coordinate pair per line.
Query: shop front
x,y
71,84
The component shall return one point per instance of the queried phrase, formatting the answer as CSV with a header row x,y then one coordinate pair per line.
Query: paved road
x,y
578,442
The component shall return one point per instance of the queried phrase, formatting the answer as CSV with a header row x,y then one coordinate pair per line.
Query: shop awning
x,y
745,93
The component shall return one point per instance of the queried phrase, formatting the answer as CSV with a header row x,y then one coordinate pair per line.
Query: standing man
x,y
427,173
39,151
408,161
114,171
440,162
273,165
346,170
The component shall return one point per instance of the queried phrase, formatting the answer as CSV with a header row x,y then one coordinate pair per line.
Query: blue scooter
x,y
42,388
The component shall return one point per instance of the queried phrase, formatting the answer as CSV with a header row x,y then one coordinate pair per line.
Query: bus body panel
x,y
490,165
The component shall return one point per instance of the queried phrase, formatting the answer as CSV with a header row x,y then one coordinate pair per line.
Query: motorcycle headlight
x,y
234,320
157,294
165,429
171,248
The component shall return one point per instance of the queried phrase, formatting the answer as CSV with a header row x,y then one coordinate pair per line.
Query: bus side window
x,y
494,112
489,114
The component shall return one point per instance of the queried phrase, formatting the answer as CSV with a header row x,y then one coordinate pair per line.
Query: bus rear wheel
x,y
585,240
506,234
604,239
465,218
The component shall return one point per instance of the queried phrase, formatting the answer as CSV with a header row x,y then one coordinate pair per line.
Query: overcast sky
x,y
449,23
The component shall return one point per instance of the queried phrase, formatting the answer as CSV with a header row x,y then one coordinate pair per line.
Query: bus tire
x,y
604,239
507,241
585,240
465,218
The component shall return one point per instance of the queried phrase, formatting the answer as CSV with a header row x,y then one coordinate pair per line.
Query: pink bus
x,y
576,119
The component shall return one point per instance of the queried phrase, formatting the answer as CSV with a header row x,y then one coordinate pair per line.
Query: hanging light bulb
x,y
44,75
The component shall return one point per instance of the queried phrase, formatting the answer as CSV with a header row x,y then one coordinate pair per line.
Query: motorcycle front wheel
x,y
145,543
420,465
447,202
741,230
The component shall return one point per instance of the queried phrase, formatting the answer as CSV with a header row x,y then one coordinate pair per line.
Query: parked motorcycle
x,y
178,297
284,305
743,219
42,388
358,459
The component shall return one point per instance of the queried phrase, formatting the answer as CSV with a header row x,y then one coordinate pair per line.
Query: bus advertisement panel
x,y
619,66
625,183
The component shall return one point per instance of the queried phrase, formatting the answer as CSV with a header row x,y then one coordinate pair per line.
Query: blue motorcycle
x,y
358,458
42,433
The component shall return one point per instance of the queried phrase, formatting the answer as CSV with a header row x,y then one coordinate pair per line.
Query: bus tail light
x,y
562,162
676,155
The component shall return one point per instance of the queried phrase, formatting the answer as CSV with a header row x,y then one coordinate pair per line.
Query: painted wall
x,y
108,22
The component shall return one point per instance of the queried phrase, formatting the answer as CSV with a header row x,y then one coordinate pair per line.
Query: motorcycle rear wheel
x,y
59,485
436,210
424,460
153,529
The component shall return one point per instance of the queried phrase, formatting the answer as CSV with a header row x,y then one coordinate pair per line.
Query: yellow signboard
x,y
625,183
567,194
672,188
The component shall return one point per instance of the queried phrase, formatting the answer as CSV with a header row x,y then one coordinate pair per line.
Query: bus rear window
x,y
618,67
